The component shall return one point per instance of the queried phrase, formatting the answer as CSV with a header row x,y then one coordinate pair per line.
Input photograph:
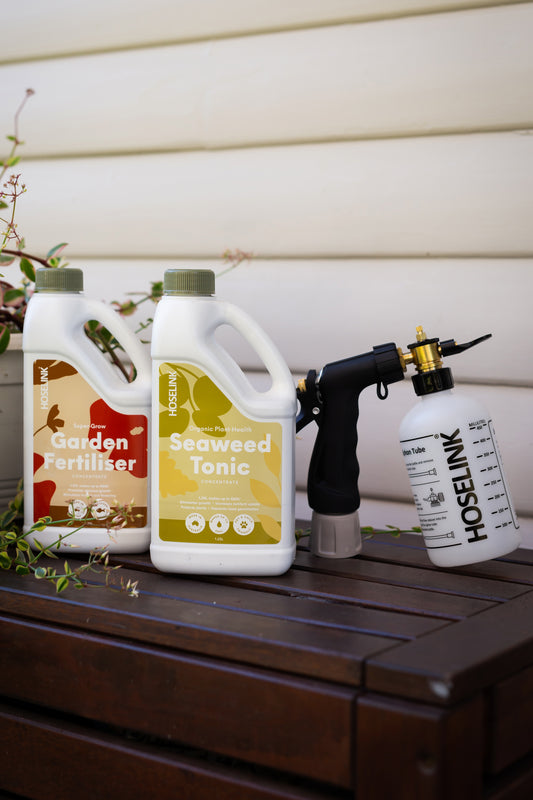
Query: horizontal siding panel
x,y
434,196
61,26
383,475
320,311
435,73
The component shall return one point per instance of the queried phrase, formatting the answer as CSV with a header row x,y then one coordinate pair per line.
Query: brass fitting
x,y
426,356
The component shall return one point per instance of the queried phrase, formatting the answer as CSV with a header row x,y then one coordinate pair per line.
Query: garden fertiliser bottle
x,y
455,468
222,452
86,429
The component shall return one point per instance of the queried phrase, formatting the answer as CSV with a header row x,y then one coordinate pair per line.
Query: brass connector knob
x,y
425,353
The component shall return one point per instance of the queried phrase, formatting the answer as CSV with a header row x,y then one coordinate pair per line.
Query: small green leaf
x,y
13,294
6,260
5,336
5,560
28,269
41,524
3,205
40,572
7,517
56,250
11,162
21,569
61,584
23,545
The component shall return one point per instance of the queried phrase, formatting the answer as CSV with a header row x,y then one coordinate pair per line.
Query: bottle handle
x,y
111,320
263,346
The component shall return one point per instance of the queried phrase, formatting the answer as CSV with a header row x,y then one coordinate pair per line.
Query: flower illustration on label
x,y
53,421
125,432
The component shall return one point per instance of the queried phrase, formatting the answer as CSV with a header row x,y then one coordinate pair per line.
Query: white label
x,y
458,485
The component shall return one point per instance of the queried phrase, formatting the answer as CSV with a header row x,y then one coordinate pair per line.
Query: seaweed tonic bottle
x,y
222,451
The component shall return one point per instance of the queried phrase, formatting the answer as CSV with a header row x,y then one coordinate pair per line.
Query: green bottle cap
x,y
57,279
189,282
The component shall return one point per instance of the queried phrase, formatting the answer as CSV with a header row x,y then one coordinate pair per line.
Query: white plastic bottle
x,y
455,469
86,429
222,452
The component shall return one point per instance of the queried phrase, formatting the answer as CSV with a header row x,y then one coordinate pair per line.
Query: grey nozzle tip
x,y
335,536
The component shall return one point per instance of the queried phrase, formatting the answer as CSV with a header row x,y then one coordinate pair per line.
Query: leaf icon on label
x,y
208,423
172,481
273,461
173,423
209,398
264,493
53,421
270,527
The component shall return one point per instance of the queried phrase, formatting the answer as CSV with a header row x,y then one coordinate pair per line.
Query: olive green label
x,y
219,470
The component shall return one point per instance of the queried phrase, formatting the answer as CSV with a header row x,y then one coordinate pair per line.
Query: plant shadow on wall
x,y
15,551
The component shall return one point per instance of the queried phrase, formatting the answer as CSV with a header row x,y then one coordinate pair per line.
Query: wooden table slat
x,y
435,580
449,664
258,716
291,646
408,549
287,606
363,592
118,768
511,710
404,746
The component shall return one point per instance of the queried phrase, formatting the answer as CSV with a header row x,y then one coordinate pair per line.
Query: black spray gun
x,y
331,399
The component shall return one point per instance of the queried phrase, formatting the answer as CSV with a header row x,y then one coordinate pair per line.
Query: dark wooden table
x,y
373,677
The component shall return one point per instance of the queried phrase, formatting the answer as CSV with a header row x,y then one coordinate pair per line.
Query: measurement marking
x,y
498,461
500,510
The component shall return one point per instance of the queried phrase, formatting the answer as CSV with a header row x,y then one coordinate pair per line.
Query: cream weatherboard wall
x,y
376,156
